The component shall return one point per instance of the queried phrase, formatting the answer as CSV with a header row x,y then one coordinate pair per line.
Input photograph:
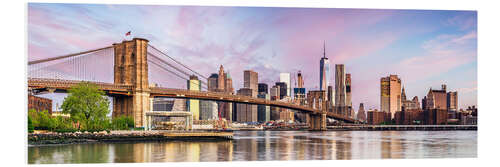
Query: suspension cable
x,y
174,73
177,61
66,56
163,61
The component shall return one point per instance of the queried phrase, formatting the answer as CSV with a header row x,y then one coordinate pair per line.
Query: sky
x,y
425,48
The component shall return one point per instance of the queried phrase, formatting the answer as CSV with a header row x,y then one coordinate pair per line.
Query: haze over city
x,y
424,48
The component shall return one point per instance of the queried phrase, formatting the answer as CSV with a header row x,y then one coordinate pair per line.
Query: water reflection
x,y
269,145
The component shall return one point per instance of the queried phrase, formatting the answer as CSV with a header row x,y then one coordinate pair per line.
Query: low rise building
x,y
39,103
375,117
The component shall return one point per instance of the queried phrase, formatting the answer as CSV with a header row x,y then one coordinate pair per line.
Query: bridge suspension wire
x,y
170,65
66,56
163,53
176,74
90,65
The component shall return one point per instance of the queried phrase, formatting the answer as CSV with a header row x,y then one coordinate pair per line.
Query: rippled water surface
x,y
272,145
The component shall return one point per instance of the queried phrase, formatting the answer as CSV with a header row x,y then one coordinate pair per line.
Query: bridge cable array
x,y
98,65
204,77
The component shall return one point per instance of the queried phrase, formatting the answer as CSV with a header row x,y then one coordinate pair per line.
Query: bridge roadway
x,y
120,89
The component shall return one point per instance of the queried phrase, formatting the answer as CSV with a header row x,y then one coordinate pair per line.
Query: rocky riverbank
x,y
119,136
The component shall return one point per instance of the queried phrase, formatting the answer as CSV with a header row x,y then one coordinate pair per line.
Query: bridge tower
x,y
317,100
131,68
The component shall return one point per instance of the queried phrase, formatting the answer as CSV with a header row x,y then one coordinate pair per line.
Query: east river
x,y
271,145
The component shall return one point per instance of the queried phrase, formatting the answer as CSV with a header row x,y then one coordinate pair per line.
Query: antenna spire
x,y
324,50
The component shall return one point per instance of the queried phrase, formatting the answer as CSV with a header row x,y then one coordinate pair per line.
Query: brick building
x,y
409,117
39,103
435,117
375,117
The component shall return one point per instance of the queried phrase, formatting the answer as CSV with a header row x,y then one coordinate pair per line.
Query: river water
x,y
271,145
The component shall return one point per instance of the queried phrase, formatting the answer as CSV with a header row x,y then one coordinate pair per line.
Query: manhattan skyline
x,y
425,48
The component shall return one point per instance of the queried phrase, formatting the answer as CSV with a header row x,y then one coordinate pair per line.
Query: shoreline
x,y
51,139
124,136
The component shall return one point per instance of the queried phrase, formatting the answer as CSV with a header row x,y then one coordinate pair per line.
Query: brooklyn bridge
x,y
134,64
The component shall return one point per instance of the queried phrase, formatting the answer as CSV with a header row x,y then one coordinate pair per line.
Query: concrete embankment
x,y
126,136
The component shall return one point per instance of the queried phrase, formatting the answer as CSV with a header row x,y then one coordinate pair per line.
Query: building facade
x,y
285,77
225,85
264,111
324,71
39,103
246,112
390,94
250,81
208,110
375,117
263,88
282,87
437,99
274,92
452,101
340,89
194,84
361,116
212,82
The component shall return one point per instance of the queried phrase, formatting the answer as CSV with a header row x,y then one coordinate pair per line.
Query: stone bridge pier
x,y
317,122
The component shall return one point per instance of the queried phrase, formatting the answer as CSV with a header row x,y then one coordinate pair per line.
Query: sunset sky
x,y
426,48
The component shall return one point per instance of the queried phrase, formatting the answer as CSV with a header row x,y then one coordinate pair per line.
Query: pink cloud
x,y
445,52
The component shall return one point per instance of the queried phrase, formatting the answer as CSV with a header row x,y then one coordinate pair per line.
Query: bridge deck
x,y
111,88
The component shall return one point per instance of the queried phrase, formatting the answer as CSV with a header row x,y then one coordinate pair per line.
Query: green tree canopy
x,y
88,105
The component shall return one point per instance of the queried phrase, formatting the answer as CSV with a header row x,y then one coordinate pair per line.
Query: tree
x,y
45,120
35,118
88,105
31,129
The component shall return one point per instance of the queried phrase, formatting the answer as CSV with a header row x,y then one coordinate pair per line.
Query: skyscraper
x,y
193,106
263,88
329,95
282,89
209,109
324,71
348,96
274,92
225,85
285,77
264,111
340,89
246,112
221,80
250,81
299,92
212,82
300,80
390,94
361,113
452,101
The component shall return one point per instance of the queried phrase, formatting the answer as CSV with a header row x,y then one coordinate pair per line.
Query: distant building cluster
x,y
438,107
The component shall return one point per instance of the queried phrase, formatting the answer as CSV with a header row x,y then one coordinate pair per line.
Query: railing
x,y
205,95
228,97
403,126
66,84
